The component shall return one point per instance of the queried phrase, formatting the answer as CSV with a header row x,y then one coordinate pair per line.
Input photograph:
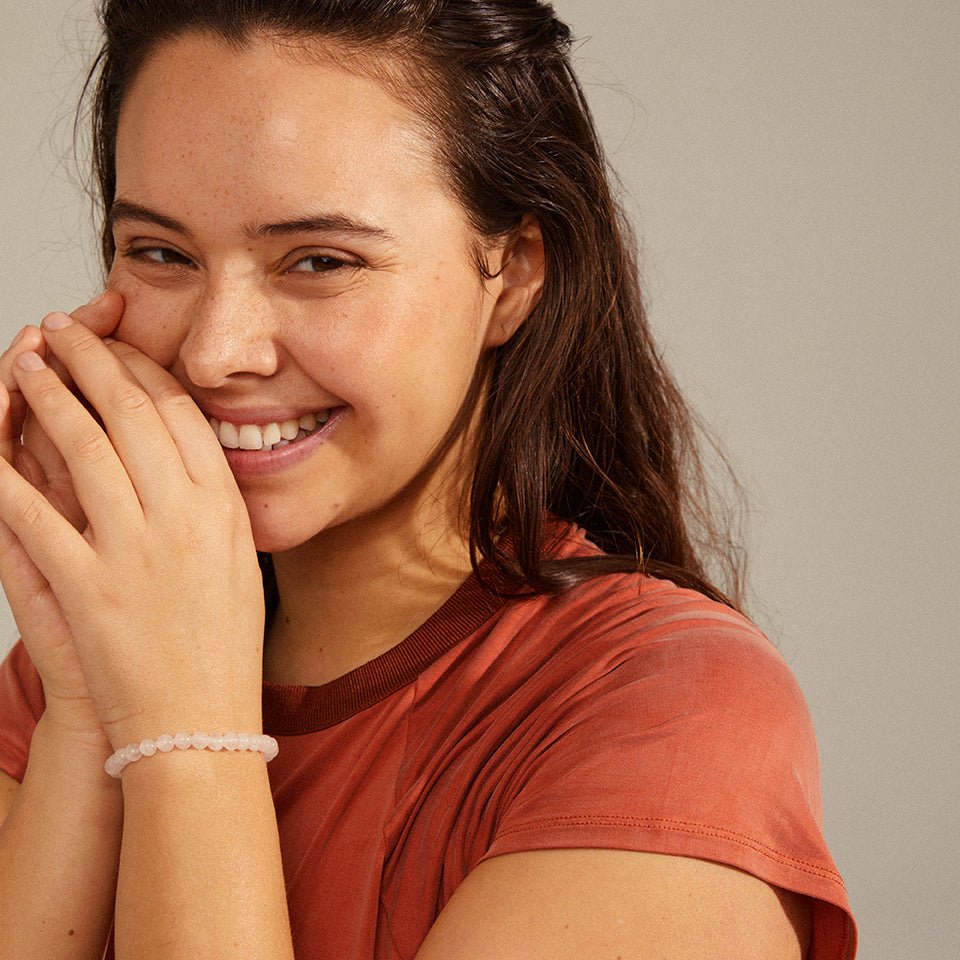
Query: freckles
x,y
158,340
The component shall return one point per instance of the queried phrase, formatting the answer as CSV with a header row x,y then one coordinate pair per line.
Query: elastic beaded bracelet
x,y
191,741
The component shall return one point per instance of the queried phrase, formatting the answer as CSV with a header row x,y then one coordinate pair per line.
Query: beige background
x,y
794,169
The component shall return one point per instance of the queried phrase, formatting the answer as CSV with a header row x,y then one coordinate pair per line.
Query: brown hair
x,y
580,419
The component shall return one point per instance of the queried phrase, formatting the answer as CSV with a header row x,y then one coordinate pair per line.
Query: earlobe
x,y
522,276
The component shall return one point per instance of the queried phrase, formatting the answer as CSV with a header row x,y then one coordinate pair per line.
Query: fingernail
x,y
97,299
57,321
30,361
18,337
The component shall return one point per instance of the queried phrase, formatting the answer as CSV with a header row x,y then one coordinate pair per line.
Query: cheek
x,y
151,321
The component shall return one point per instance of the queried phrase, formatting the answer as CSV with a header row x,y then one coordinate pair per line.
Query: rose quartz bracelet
x,y
186,741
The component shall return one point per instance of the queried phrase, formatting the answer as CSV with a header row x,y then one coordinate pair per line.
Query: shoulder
x,y
657,693
651,637
673,726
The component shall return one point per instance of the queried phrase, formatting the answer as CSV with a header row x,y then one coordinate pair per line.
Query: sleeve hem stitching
x,y
682,826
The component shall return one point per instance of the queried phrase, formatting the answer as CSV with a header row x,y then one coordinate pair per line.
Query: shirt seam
x,y
681,826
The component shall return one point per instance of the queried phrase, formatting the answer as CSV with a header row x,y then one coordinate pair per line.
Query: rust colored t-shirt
x,y
626,713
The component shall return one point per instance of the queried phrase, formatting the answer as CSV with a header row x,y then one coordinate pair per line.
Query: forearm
x,y
200,871
59,851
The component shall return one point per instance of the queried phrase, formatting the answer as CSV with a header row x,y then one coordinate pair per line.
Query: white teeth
x,y
289,429
271,434
250,436
229,435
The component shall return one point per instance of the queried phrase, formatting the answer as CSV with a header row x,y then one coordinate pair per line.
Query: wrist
x,y
212,719
74,722
72,756
230,742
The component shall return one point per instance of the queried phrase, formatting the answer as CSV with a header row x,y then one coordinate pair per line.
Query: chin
x,y
275,534
269,539
280,525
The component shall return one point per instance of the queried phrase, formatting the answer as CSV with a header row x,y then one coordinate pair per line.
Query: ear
x,y
521,276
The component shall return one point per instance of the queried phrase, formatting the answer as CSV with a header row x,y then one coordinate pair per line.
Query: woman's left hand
x,y
161,590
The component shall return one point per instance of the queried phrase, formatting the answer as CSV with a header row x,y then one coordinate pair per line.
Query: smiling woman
x,y
367,447
248,230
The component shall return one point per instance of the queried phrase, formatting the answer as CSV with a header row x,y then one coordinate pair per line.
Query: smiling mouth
x,y
267,436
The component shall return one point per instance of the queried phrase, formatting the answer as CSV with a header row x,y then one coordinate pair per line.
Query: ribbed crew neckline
x,y
290,709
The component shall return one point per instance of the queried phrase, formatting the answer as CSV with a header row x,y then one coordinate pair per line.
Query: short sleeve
x,y
685,734
21,706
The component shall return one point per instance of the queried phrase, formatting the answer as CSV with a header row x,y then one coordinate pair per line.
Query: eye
x,y
162,256
320,263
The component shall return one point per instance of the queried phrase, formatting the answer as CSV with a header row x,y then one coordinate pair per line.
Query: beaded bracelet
x,y
185,741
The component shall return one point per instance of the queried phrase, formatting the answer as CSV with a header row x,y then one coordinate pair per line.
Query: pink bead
x,y
114,766
266,745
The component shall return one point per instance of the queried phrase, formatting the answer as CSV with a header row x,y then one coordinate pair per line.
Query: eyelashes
x,y
159,256
320,263
165,258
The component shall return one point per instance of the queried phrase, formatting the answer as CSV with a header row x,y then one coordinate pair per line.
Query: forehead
x,y
269,124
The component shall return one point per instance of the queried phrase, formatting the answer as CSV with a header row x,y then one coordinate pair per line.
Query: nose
x,y
232,332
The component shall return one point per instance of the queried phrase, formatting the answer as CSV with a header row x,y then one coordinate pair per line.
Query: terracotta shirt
x,y
627,713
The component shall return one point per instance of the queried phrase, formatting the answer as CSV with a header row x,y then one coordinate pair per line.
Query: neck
x,y
360,588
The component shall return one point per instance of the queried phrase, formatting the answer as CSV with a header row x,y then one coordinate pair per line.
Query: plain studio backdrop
x,y
793,170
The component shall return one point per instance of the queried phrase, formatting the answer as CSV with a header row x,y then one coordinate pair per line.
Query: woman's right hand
x,y
35,609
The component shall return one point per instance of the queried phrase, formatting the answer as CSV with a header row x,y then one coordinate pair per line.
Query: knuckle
x,y
91,447
29,511
174,397
82,340
130,400
121,350
47,391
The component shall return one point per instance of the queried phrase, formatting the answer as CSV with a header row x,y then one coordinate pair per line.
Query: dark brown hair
x,y
580,418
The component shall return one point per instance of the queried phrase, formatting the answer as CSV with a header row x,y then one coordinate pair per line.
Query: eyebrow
x,y
122,211
329,222
127,211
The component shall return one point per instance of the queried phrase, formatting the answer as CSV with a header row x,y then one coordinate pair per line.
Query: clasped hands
x,y
125,546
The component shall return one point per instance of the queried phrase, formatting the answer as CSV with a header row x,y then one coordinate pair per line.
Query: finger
x,y
57,550
28,340
27,591
7,428
24,444
41,463
135,428
200,449
12,410
101,483
101,316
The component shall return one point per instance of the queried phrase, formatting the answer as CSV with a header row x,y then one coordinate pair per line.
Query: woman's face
x,y
286,247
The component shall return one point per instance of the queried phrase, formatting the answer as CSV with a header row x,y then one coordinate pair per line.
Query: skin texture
x,y
148,555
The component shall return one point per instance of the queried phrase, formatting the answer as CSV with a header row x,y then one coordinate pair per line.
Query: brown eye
x,y
319,264
163,256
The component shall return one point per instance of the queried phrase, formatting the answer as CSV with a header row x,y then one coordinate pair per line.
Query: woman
x,y
371,312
